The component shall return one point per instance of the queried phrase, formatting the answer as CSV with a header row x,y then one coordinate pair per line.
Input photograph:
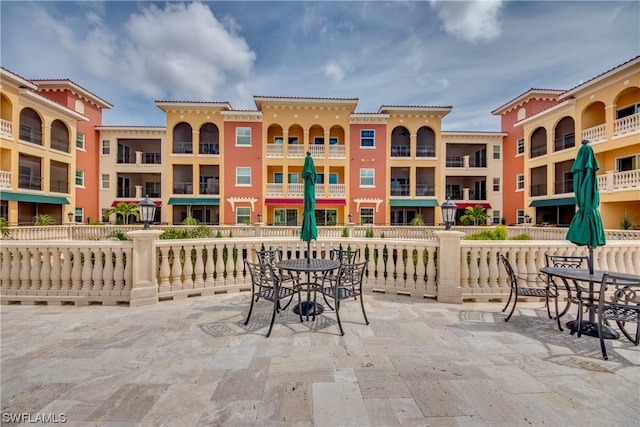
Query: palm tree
x,y
476,214
125,210
43,219
417,220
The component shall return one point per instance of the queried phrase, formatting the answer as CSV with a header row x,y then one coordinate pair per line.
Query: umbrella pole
x,y
309,252
590,261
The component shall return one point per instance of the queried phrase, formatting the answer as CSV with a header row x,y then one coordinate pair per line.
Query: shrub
x,y
522,237
43,219
118,235
345,232
369,232
5,232
626,223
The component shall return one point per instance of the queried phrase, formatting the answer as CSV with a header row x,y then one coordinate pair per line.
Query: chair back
x,y
566,261
621,291
268,256
513,280
262,275
345,256
351,274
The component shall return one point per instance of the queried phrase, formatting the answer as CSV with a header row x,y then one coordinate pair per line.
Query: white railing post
x,y
144,289
449,286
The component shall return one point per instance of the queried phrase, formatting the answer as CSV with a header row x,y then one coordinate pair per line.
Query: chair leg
x,y
366,321
250,310
273,315
337,310
558,314
513,308
508,301
602,345
577,326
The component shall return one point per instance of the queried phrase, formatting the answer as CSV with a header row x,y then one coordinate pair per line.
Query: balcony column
x,y
610,121
305,140
465,193
144,289
449,278
195,138
465,161
138,157
138,192
326,144
413,146
285,143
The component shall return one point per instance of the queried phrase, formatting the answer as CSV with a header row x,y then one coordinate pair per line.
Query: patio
x,y
192,362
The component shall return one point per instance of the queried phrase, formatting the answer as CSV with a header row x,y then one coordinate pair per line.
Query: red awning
x,y
472,205
298,202
135,202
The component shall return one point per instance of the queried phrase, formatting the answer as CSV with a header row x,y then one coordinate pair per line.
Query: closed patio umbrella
x,y
586,225
309,227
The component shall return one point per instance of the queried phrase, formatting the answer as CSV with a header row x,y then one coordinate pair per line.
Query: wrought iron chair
x,y
623,307
345,256
347,286
271,257
267,285
569,261
548,291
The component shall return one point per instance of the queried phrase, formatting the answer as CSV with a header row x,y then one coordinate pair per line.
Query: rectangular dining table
x,y
587,327
317,266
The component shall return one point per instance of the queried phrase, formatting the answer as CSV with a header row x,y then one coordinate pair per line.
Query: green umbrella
x,y
586,226
309,227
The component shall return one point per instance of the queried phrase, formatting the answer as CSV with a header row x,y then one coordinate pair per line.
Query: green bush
x,y
626,223
118,235
43,219
200,231
522,237
345,232
5,232
369,232
498,233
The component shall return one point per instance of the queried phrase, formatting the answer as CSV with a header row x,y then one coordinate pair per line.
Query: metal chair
x,y
267,285
548,291
347,286
569,261
345,256
623,307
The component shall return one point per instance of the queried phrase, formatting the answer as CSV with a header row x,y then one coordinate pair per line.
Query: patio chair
x,y
271,257
569,261
537,287
267,285
623,307
347,286
345,256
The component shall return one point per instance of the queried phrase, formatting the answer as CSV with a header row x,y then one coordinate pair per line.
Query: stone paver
x,y
193,362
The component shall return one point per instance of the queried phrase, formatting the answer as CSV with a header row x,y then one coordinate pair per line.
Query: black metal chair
x,y
267,285
569,261
623,307
347,286
345,256
538,287
271,257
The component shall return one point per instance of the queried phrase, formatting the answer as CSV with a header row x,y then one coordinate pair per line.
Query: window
x,y
333,178
105,181
496,152
496,185
79,178
243,136
366,177
293,178
243,176
366,215
80,140
277,178
320,178
520,146
285,217
520,182
496,217
106,147
105,217
293,140
277,140
629,110
367,138
318,140
79,214
520,216
243,215
626,163
333,141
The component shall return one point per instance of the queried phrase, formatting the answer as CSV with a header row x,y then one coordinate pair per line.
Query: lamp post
x,y
449,213
350,217
147,211
260,218
70,216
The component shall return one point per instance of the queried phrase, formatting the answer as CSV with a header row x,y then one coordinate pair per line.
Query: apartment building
x,y
605,111
38,139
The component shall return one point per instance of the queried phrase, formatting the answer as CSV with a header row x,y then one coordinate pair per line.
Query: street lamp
x,y
260,218
70,216
147,211
449,213
350,217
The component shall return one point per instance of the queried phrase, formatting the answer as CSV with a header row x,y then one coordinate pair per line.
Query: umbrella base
x,y
591,329
308,308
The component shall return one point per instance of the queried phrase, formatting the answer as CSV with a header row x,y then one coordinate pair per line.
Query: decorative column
x,y
449,283
144,289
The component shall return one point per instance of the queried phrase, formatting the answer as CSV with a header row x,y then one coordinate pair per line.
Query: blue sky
x,y
471,55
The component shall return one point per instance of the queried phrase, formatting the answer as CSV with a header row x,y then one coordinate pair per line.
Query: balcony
x,y
626,125
538,190
400,151
29,182
619,181
398,189
595,134
336,190
425,190
60,144
6,129
5,180
29,134
59,186
538,150
564,186
209,189
425,151
182,147
565,142
182,188
209,148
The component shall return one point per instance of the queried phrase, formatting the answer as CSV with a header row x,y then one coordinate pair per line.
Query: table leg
x,y
308,307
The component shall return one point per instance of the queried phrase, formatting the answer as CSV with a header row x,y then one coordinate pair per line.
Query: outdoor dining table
x,y
308,265
587,327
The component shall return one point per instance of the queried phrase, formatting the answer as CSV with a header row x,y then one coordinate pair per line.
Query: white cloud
x,y
477,20
334,71
181,51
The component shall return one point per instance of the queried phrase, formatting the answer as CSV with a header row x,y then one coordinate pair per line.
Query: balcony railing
x,y
425,190
275,150
182,188
5,179
619,181
209,189
400,151
60,144
400,189
182,147
6,129
454,162
59,186
425,151
538,150
562,187
209,148
337,151
30,134
565,141
29,182
626,125
595,134
152,158
538,190
336,190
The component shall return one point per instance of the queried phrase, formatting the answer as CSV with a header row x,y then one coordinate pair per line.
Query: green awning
x,y
413,203
565,201
33,198
194,201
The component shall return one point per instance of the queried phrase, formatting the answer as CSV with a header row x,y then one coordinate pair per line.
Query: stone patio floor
x,y
418,363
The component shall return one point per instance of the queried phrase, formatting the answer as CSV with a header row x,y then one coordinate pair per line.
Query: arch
x,y
182,138
209,139
400,142
275,134
426,142
538,142
30,126
6,109
628,102
593,115
564,134
338,133
60,136
316,134
296,134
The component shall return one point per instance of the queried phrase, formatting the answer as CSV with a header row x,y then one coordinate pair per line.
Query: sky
x,y
474,56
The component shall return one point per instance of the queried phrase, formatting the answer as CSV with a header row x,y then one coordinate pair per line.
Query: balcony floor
x,y
193,362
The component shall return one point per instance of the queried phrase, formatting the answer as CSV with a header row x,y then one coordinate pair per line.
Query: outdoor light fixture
x,y
147,211
260,218
449,213
350,217
70,216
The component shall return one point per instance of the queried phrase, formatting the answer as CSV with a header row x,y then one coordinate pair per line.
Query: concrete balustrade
x,y
147,270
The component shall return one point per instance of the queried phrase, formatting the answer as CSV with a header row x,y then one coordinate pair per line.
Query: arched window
x,y
182,139
59,136
30,126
